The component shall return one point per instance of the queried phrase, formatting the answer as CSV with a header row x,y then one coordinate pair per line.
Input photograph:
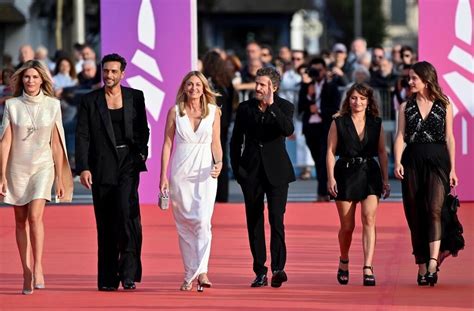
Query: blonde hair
x,y
208,96
16,81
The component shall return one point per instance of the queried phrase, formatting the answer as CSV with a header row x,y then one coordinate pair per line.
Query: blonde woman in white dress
x,y
32,157
193,128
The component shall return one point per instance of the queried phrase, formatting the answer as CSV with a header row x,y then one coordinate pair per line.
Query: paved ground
x,y
300,191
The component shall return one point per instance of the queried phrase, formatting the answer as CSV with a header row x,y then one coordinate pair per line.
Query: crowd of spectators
x,y
385,69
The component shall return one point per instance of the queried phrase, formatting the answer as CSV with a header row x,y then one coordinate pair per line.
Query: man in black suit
x,y
318,101
111,149
263,167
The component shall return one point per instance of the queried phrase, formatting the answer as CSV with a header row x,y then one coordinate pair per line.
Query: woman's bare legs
x,y
368,211
35,219
23,243
346,212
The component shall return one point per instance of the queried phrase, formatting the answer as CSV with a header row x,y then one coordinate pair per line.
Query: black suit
x,y
316,134
115,176
263,167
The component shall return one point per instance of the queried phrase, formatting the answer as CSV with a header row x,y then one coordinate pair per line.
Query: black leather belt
x,y
121,146
353,161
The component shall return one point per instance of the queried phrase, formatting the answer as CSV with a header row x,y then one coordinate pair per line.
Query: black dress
x,y
356,172
425,185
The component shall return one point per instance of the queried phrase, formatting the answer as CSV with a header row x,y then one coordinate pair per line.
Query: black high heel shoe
x,y
343,275
421,280
369,279
432,277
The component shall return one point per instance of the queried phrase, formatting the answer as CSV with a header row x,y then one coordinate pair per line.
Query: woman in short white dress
x,y
33,157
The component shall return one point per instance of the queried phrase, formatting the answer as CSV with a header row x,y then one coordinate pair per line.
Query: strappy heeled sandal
x,y
203,282
432,277
343,275
186,286
369,279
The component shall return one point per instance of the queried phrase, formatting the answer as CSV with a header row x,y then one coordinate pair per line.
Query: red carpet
x,y
70,265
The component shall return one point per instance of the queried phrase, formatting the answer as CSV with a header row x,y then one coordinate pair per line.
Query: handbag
x,y
452,202
163,200
452,230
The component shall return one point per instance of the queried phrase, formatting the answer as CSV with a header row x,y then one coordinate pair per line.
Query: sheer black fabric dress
x,y
425,185
356,171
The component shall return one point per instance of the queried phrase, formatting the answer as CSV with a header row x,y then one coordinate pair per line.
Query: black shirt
x,y
116,115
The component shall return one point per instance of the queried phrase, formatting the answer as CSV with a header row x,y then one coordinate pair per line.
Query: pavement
x,y
299,191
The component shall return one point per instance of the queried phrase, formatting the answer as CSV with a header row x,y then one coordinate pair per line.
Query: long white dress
x,y
193,191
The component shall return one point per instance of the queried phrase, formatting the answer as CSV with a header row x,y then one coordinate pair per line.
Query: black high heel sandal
x,y
343,275
369,279
432,277
421,280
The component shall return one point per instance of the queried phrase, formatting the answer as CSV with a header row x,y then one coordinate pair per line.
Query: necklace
x,y
33,128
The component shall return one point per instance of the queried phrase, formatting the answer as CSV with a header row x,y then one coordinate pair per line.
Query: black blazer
x,y
262,135
95,139
330,102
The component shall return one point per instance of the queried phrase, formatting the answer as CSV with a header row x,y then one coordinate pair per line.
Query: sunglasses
x,y
406,55
296,58
265,54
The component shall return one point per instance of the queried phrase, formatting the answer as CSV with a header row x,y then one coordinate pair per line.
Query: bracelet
x,y
217,162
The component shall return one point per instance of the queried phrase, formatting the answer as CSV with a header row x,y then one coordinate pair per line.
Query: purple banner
x,y
157,38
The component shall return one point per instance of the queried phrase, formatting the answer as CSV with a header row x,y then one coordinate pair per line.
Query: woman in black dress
x,y
356,136
425,166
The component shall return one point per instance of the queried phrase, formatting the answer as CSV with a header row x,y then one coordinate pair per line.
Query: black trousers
x,y
316,137
254,190
119,230
222,194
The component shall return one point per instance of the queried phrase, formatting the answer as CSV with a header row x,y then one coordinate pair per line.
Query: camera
x,y
313,73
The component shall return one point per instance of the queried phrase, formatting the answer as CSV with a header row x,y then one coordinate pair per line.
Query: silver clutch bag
x,y
163,200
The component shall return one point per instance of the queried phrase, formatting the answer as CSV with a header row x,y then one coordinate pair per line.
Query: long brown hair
x,y
365,90
208,96
214,67
428,75
16,81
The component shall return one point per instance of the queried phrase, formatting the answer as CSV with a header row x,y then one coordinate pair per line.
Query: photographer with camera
x,y
402,88
318,101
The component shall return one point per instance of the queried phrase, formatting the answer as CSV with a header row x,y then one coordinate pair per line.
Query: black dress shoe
x,y
107,289
260,280
128,284
279,276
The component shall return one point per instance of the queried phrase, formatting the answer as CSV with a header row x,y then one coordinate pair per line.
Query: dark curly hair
x,y
114,57
365,90
271,73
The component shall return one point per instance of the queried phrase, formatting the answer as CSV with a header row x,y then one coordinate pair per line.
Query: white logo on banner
x,y
459,83
146,35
